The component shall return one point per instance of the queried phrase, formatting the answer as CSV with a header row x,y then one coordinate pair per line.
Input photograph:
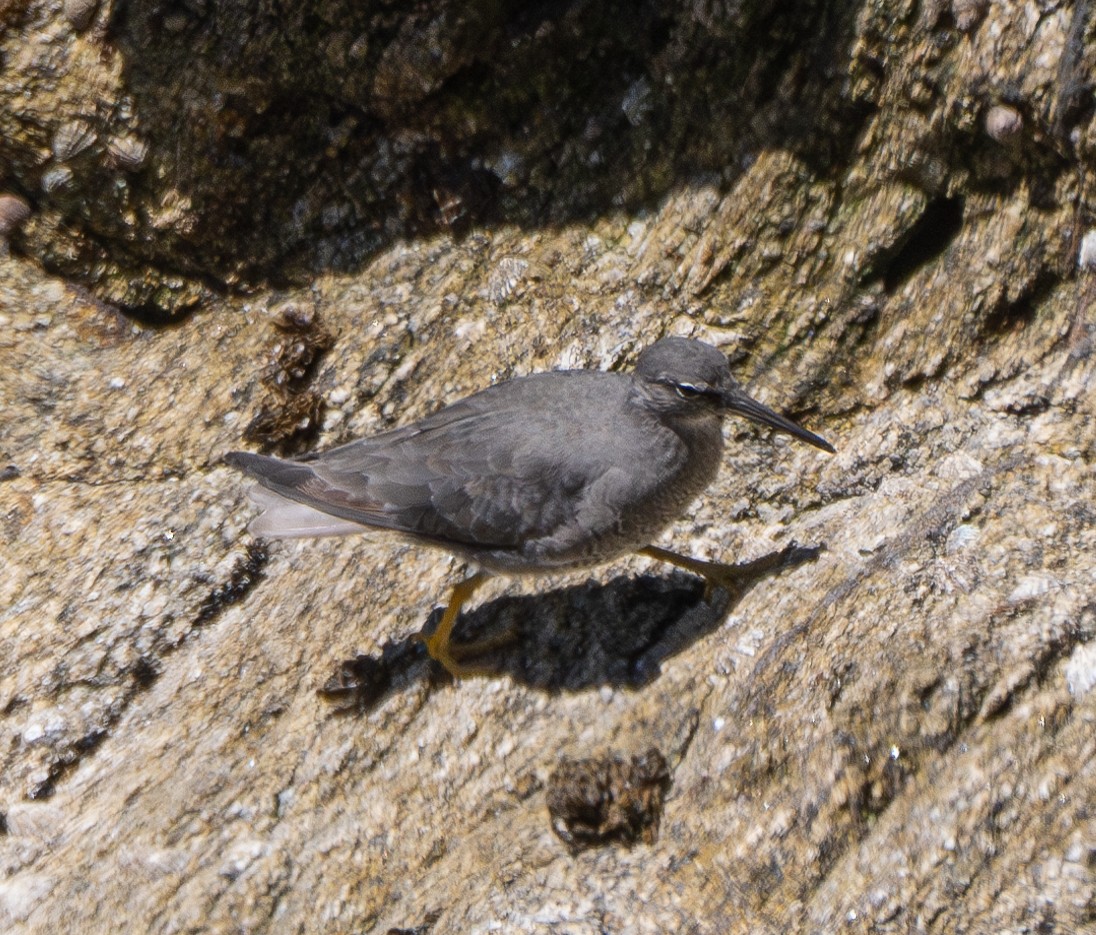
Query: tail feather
x,y
282,517
271,472
288,519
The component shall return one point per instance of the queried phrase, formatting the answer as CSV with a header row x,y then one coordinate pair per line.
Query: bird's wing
x,y
489,472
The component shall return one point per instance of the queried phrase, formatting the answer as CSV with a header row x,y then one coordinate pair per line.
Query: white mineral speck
x,y
1080,670
1086,258
470,328
960,537
1029,587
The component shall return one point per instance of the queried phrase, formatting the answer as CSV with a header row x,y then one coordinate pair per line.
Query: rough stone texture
x,y
174,148
898,736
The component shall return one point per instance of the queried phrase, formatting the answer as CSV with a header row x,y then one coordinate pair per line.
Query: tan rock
x,y
897,736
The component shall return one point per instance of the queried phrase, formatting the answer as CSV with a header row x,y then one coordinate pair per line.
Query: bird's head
x,y
679,378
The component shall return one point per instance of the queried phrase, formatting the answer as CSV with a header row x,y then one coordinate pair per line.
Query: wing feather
x,y
493,471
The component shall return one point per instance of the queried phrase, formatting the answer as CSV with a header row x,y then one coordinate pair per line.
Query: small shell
x,y
968,13
13,212
637,102
79,12
56,178
127,152
71,138
1003,123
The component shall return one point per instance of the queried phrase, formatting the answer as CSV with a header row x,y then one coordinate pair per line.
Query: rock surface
x,y
898,736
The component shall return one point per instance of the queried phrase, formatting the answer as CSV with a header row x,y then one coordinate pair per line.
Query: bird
x,y
548,472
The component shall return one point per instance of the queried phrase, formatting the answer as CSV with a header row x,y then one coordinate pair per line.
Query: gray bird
x,y
542,473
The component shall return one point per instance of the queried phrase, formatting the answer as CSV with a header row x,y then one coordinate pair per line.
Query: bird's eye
x,y
685,391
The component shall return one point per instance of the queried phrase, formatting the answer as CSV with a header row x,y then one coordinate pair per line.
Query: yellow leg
x,y
715,574
437,643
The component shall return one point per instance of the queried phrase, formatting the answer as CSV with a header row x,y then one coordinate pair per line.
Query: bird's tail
x,y
283,518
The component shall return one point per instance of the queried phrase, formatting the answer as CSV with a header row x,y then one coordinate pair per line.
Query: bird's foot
x,y
438,644
716,575
734,579
459,659
720,577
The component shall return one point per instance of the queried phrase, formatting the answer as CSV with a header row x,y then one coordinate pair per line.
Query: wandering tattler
x,y
547,472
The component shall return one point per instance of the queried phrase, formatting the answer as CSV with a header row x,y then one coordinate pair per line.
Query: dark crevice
x,y
16,702
926,241
145,672
1075,103
246,573
1010,316
68,761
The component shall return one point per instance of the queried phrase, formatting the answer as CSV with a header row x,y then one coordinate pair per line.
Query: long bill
x,y
738,402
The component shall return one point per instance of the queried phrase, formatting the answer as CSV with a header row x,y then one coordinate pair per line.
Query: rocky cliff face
x,y
226,227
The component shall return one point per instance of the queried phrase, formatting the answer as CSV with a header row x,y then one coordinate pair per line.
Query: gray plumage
x,y
549,471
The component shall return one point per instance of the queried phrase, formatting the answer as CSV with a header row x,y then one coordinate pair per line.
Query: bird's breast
x,y
691,465
635,500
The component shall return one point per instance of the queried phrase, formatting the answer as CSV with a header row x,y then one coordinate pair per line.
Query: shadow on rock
x,y
269,146
571,639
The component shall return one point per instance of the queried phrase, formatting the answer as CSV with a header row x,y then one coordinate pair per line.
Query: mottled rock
x,y
895,736
968,13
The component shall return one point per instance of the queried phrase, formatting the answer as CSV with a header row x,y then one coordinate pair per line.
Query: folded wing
x,y
489,472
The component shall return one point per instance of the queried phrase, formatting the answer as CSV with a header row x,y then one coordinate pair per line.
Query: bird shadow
x,y
571,639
